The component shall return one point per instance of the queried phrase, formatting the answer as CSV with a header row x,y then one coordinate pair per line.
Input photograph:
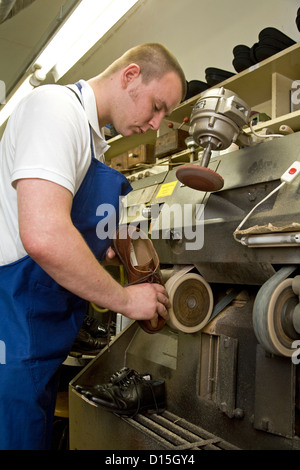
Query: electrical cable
x,y
264,136
288,177
254,208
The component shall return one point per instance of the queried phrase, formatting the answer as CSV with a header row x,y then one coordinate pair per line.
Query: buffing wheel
x,y
191,298
272,314
199,178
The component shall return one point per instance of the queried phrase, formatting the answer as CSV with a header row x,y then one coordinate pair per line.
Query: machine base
x,y
217,390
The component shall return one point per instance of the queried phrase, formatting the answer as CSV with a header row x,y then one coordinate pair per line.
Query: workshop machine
x,y
227,231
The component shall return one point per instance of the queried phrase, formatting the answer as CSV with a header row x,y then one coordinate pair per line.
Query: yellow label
x,y
166,189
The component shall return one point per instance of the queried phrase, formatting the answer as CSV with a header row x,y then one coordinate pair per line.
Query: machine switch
x,y
291,173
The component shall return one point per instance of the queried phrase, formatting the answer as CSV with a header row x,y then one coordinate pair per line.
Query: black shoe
x,y
271,41
274,37
85,343
116,378
215,76
94,327
119,375
128,393
195,87
243,57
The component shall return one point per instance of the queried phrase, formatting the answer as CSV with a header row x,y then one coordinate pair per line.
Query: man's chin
x,y
127,132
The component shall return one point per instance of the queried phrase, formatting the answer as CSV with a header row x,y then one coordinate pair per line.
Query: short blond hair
x,y
154,60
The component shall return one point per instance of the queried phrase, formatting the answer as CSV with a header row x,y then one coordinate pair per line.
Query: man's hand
x,y
147,301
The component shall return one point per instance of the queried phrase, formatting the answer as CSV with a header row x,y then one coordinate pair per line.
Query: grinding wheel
x,y
272,314
199,178
192,302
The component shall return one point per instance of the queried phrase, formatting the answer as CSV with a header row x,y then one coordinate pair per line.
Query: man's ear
x,y
130,73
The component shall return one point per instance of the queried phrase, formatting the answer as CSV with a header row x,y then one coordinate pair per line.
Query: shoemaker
x,y
52,180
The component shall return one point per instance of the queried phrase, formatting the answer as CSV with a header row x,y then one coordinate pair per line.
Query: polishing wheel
x,y
276,314
199,178
192,302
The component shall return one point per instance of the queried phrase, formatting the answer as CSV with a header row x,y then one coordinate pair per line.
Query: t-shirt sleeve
x,y
51,138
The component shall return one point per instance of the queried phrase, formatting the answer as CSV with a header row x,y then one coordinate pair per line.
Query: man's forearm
x,y
50,238
71,264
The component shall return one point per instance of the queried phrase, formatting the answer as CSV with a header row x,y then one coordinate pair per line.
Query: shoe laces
x,y
150,277
126,376
121,374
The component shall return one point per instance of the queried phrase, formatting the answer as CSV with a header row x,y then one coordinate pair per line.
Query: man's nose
x,y
155,121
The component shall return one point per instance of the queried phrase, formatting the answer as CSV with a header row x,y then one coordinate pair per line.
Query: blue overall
x,y
39,321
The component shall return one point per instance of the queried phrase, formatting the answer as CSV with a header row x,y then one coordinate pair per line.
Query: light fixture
x,y
271,239
21,91
90,21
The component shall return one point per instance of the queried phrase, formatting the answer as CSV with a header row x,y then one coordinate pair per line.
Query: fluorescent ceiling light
x,y
22,91
90,21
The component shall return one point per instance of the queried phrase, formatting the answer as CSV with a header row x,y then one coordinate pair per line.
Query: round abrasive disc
x,y
200,178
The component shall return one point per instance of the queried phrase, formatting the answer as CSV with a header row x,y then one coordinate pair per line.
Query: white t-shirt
x,y
46,137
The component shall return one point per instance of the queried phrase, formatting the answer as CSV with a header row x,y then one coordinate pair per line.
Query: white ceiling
x,y
201,34
23,35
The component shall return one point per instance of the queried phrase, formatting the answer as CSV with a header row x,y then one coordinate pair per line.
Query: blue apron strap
x,y
79,86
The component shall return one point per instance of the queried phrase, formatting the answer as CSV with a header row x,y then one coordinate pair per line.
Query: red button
x,y
292,171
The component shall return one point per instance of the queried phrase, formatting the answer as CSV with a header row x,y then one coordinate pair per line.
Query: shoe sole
x,y
161,407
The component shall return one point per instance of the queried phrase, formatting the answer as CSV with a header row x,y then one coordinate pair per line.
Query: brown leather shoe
x,y
139,257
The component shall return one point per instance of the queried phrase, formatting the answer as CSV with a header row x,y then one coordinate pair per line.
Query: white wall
x,y
201,33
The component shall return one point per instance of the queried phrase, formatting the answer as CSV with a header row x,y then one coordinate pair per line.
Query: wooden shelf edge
x,y
285,62
291,119
120,144
276,63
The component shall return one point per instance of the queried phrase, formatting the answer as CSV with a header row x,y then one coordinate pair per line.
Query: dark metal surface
x,y
220,381
249,174
215,381
275,395
175,433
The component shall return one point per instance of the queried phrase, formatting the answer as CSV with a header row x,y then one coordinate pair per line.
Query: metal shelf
x,y
264,87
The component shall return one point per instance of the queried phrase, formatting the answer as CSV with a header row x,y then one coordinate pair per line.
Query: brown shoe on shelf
x,y
139,257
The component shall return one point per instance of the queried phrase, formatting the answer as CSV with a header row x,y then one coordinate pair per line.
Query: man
x,y
51,183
